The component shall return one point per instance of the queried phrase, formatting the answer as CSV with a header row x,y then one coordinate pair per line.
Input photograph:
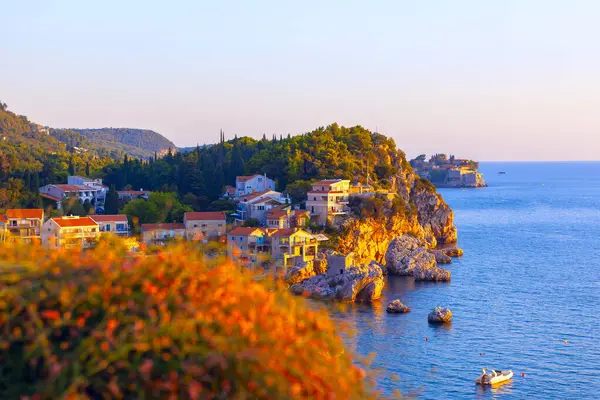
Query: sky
x,y
487,80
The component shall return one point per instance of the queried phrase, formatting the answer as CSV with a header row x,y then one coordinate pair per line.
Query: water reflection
x,y
496,390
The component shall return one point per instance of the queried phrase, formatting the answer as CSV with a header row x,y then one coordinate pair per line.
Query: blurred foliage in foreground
x,y
108,324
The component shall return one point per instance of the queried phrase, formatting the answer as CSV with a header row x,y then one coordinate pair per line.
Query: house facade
x,y
291,246
204,225
59,193
116,224
100,194
72,231
257,205
24,224
245,185
128,195
248,246
328,200
284,218
160,234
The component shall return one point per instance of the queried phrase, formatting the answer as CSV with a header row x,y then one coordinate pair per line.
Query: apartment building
x,y
283,218
101,190
248,246
328,199
116,224
204,225
160,234
71,231
128,195
291,246
257,205
62,192
24,224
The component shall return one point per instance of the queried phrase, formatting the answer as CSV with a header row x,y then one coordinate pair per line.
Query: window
x,y
233,238
241,238
204,225
121,227
220,225
107,227
315,199
195,225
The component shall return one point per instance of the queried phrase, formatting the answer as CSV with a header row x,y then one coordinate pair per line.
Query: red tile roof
x,y
133,192
245,178
300,212
255,195
74,188
155,227
49,197
109,218
244,231
325,192
205,216
284,232
278,214
36,213
69,222
3,218
327,182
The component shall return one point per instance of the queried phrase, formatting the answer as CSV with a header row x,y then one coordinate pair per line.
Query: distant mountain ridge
x,y
135,142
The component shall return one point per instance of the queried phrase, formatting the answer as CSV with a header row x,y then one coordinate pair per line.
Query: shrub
x,y
106,324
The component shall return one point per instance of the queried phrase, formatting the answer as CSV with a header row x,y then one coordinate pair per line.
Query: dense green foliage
x,y
293,162
160,207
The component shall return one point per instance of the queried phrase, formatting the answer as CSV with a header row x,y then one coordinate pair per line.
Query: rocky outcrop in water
x,y
440,315
407,255
303,271
441,257
397,307
356,283
433,212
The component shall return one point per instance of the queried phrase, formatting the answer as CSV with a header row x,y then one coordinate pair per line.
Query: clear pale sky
x,y
489,80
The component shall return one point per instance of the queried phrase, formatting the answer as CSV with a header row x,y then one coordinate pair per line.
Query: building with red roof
x,y
328,199
245,185
204,225
24,224
70,231
160,234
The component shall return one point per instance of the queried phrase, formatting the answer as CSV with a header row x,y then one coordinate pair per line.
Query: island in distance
x,y
448,172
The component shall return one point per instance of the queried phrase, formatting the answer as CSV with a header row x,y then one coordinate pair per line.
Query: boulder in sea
x,y
397,307
454,252
305,270
355,283
440,315
407,255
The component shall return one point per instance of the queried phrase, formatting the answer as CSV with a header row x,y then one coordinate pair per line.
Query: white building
x,y
328,200
257,205
245,185
93,183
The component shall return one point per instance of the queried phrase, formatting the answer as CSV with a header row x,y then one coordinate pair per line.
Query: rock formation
x,y
303,271
433,212
440,315
356,283
407,255
397,307
441,257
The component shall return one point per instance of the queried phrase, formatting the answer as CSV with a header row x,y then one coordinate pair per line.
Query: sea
x,y
525,296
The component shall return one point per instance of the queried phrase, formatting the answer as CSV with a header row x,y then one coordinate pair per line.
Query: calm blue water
x,y
529,280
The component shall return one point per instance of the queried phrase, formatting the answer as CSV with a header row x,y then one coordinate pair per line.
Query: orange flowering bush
x,y
107,324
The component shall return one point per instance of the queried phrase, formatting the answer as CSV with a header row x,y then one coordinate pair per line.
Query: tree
x,y
252,223
71,167
111,204
141,212
87,169
73,206
87,206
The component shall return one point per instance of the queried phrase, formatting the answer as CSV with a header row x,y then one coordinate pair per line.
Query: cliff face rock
x,y
301,272
356,283
441,257
434,213
369,239
407,255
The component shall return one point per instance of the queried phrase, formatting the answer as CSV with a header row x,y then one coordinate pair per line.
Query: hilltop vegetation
x,y
30,158
135,142
327,152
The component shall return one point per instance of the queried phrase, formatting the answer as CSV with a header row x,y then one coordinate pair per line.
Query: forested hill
x,y
135,142
327,152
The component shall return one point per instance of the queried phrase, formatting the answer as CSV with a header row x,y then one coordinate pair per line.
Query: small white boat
x,y
493,376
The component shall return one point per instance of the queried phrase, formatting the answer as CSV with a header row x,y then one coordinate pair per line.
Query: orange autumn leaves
x,y
104,324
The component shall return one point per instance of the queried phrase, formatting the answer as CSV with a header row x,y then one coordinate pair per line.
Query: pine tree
x,y
71,167
111,204
87,169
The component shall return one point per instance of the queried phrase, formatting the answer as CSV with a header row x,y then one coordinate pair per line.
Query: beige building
x,y
72,231
289,246
116,224
204,225
25,224
248,246
160,234
328,199
284,218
